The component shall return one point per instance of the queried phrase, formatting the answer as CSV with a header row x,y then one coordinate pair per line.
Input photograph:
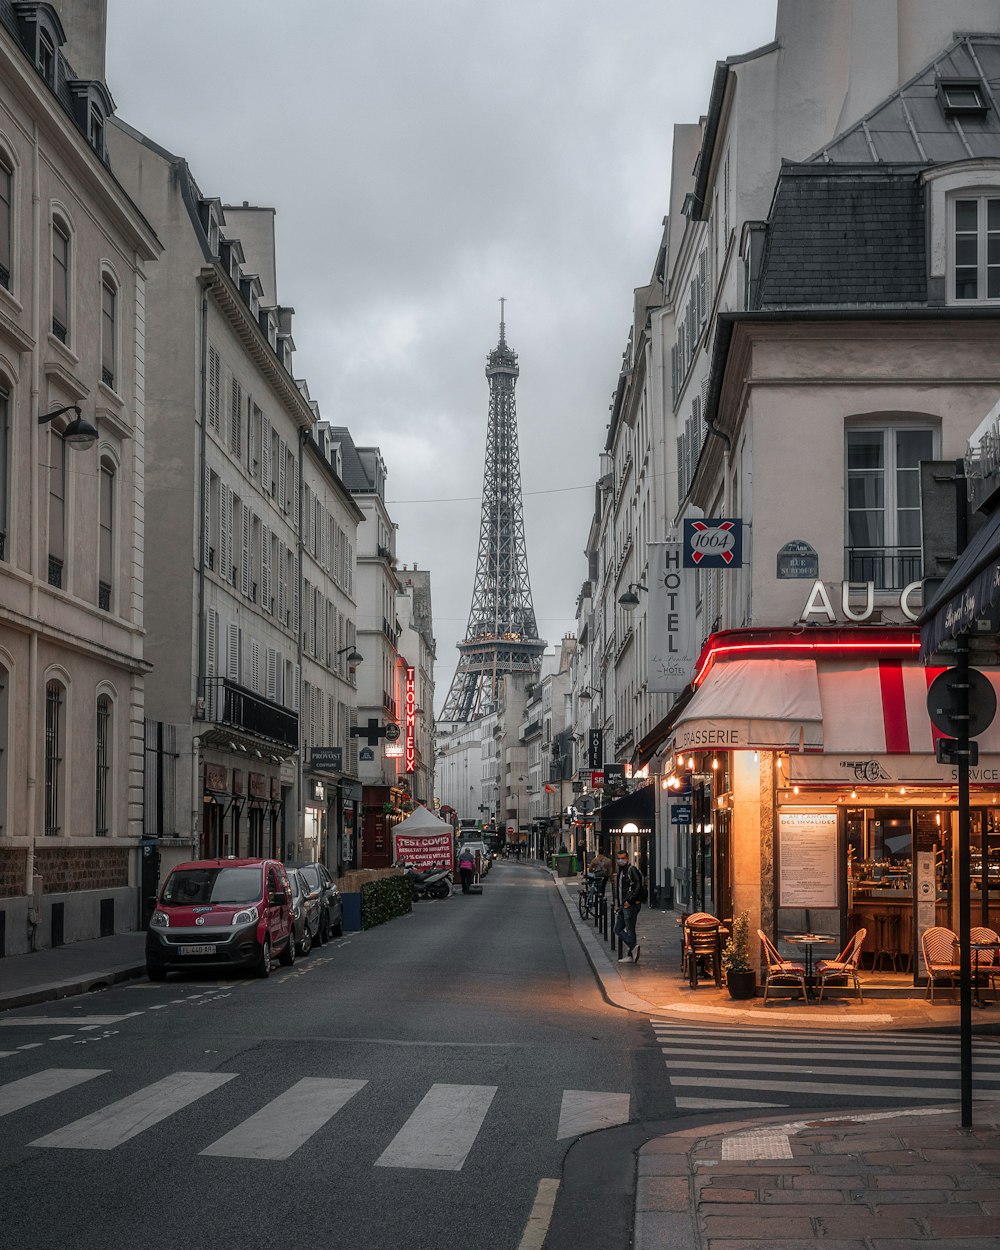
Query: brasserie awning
x,y
637,808
970,590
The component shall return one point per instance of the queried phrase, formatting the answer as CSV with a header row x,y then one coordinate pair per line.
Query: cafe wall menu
x,y
807,859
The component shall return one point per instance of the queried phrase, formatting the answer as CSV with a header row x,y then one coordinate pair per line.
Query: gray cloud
x,y
426,157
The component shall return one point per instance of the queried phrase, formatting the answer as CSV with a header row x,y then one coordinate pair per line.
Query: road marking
x,y
826,1052
585,1111
122,1120
60,1037
540,1217
824,1087
807,1069
31,1045
279,1129
87,1022
441,1131
30,1089
720,1104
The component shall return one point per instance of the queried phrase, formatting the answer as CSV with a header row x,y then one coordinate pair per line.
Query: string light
x,y
715,763
795,789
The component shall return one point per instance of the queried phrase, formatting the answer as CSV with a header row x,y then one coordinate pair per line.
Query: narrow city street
x,y
408,1085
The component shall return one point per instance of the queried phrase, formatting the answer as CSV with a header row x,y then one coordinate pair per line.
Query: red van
x,y
221,912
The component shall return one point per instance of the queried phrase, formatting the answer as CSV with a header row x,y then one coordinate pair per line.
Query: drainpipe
x,y
34,912
200,692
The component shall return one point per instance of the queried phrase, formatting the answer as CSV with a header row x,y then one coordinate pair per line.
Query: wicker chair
x,y
939,947
702,947
781,973
844,967
684,918
989,965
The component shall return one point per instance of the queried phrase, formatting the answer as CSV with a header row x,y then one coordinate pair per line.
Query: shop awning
x,y
637,808
969,591
763,704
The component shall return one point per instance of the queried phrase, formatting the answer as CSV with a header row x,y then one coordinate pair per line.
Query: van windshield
x,y
190,886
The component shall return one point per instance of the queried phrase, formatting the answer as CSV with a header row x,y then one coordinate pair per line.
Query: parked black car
x,y
305,911
331,904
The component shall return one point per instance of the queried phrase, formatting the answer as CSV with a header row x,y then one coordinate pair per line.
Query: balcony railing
x,y
890,568
228,704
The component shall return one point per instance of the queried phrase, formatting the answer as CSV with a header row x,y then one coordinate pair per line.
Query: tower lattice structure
x,y
502,635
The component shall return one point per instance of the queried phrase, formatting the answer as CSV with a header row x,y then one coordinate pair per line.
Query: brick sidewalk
x,y
891,1180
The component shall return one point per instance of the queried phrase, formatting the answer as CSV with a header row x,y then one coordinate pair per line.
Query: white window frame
x,y
945,184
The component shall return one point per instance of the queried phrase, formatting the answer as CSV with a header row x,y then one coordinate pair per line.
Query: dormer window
x,y
976,247
962,97
95,130
45,59
92,105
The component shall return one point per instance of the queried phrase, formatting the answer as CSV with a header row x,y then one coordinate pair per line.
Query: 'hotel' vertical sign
x,y
670,619
410,723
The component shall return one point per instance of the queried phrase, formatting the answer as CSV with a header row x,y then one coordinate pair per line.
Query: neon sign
x,y
410,746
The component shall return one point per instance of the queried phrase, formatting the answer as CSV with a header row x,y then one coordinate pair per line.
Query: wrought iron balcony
x,y
890,568
234,706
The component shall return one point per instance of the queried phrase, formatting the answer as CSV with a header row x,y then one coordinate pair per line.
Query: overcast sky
x,y
426,157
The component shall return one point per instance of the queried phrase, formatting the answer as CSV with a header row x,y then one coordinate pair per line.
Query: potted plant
x,y
741,976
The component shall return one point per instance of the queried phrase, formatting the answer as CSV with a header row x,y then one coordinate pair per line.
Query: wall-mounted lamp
x,y
630,600
355,656
587,693
79,434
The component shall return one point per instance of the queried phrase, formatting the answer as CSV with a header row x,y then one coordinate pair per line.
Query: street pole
x,y
964,880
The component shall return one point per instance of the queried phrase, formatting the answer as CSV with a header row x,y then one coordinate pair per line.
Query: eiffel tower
x,y
502,636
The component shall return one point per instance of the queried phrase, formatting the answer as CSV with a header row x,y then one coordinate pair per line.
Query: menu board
x,y
807,859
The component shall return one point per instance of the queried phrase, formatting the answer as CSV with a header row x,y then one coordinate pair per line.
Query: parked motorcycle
x,y
433,883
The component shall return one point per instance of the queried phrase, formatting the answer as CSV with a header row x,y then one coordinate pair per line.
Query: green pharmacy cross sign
x,y
374,731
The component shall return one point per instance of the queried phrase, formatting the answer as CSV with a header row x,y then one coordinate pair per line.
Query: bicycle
x,y
590,900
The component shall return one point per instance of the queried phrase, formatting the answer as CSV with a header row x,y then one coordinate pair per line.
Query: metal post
x,y
964,880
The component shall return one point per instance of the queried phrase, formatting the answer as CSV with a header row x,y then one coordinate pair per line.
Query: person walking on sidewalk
x,y
466,868
629,889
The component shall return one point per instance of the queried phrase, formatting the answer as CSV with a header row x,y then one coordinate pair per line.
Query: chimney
x,y
86,25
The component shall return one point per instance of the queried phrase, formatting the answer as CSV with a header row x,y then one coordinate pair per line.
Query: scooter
x,y
434,883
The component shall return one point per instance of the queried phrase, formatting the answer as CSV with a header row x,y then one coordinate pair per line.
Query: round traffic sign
x,y
942,702
391,732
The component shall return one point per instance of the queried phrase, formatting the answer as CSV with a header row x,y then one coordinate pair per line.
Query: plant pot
x,y
741,985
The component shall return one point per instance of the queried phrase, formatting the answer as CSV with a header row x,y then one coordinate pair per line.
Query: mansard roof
x,y
918,124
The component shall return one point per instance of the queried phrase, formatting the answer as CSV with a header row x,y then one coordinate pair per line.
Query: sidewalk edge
x,y
72,986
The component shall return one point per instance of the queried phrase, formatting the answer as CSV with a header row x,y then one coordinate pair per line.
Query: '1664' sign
x,y
713,543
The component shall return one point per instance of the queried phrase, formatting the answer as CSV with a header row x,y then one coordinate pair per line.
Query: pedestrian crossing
x,y
714,1068
438,1133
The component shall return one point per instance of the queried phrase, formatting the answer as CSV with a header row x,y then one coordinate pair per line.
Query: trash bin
x,y
352,911
564,865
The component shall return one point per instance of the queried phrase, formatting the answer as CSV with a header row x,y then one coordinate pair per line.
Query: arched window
x,y
60,279
102,780
109,330
6,220
55,698
106,537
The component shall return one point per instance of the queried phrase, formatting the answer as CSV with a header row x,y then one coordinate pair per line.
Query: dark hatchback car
x,y
331,904
305,911
221,912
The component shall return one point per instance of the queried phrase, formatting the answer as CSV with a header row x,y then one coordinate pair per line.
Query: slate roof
x,y
354,475
910,127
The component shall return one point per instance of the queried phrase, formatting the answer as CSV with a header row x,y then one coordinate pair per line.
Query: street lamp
x,y
587,693
355,656
79,434
630,600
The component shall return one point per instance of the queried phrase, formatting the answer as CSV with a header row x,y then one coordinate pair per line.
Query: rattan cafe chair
x,y
781,973
989,961
844,967
940,948
702,948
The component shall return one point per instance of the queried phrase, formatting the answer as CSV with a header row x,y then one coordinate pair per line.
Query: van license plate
x,y
196,950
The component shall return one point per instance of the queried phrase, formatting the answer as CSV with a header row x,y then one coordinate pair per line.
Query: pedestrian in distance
x,y
630,891
466,869
600,867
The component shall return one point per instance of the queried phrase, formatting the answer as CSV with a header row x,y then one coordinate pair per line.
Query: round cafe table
x,y
977,948
809,940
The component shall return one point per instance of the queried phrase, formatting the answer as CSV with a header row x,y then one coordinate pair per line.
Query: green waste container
x,y
564,865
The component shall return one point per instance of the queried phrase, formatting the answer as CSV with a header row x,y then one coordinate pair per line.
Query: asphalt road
x,y
409,1086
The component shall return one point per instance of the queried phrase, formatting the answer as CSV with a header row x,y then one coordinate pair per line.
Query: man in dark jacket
x,y
628,892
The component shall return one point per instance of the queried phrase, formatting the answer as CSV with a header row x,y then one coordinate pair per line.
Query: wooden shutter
x,y
271,690
236,418
213,389
206,520
282,585
295,691
265,454
211,642
255,665
225,532
282,457
246,528
265,568
233,651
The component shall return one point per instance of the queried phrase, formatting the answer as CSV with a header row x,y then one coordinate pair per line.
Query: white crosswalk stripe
x,y
122,1120
718,1067
440,1132
279,1129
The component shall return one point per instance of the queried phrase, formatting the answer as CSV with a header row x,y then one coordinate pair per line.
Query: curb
x,y
84,983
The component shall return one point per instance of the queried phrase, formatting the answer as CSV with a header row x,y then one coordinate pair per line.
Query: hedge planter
x,y
383,900
741,985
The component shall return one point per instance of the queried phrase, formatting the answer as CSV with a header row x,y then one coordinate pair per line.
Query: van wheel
x,y
287,956
264,960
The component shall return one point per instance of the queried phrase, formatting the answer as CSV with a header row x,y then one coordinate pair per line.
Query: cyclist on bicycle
x,y
600,868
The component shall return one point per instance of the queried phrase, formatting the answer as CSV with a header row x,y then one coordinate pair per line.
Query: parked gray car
x,y
331,923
